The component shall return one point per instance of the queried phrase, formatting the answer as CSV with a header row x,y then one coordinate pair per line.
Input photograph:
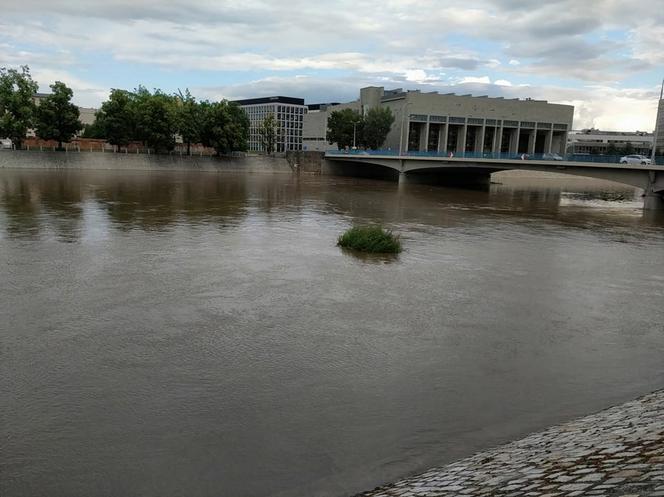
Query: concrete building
x,y
315,126
450,123
289,114
595,141
87,115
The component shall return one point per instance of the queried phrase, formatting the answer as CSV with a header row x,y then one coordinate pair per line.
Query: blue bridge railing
x,y
604,159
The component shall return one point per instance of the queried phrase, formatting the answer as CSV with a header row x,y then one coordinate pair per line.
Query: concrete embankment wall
x,y
23,159
306,161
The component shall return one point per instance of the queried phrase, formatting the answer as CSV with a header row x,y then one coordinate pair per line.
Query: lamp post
x,y
654,137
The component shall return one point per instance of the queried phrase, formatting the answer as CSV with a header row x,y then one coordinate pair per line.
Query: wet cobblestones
x,y
618,452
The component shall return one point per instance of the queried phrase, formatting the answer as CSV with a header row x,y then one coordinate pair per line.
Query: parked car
x,y
5,143
551,156
635,159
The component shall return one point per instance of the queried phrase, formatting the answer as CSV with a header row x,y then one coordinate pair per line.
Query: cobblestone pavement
x,y
618,452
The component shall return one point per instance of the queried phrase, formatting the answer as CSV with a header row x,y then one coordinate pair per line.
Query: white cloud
x,y
475,79
591,46
87,94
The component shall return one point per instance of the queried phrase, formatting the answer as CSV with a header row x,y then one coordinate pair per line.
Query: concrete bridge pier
x,y
653,198
653,201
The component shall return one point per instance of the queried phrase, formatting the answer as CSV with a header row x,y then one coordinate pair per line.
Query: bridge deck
x,y
493,162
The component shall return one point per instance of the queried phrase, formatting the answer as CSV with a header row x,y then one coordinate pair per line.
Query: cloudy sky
x,y
606,57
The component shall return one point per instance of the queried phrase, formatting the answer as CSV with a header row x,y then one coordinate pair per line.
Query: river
x,y
199,334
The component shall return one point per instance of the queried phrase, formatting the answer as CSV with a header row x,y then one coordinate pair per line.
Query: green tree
x,y
188,115
612,149
116,118
628,149
94,130
225,127
156,119
268,130
343,126
17,107
377,124
57,117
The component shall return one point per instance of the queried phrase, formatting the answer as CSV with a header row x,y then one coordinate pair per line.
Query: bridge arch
x,y
460,171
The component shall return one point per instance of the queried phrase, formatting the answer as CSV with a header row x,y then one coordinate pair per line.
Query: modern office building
x,y
595,141
450,123
288,112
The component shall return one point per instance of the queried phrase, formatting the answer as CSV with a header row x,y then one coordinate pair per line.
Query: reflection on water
x,y
39,203
201,334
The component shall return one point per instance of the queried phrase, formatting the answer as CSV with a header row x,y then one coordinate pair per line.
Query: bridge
x,y
476,171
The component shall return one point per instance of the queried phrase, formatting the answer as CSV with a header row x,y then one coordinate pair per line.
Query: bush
x,y
372,239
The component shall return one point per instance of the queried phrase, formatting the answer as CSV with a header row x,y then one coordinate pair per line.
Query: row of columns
x,y
497,139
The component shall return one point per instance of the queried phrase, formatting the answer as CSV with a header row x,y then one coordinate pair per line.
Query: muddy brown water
x,y
200,334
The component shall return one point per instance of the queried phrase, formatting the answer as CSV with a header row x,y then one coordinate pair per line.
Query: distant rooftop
x,y
400,93
321,106
593,131
270,100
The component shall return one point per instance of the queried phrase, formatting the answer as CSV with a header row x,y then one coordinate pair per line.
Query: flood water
x,y
200,334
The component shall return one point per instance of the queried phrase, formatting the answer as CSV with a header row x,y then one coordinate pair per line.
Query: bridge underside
x,y
476,178
477,174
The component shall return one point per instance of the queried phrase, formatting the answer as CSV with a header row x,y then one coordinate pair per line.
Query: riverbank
x,y
616,452
35,159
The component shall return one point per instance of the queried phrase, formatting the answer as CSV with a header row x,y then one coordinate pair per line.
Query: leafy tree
x,y
340,126
156,119
377,124
238,129
628,149
225,127
94,130
57,117
188,115
116,118
612,149
17,107
268,131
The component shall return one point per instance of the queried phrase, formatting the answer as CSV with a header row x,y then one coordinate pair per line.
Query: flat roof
x,y
271,100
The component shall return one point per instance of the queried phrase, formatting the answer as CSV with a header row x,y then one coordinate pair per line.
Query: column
x,y
532,138
442,143
497,139
405,131
479,141
461,139
563,144
424,140
514,140
548,141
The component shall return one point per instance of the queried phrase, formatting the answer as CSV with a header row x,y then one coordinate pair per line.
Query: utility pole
x,y
654,138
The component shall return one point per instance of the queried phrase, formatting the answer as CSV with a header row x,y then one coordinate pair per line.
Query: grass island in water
x,y
370,239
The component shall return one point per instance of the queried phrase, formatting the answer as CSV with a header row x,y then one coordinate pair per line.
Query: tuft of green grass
x,y
371,239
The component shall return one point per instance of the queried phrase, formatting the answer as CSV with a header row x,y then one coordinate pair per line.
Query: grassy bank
x,y
370,239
